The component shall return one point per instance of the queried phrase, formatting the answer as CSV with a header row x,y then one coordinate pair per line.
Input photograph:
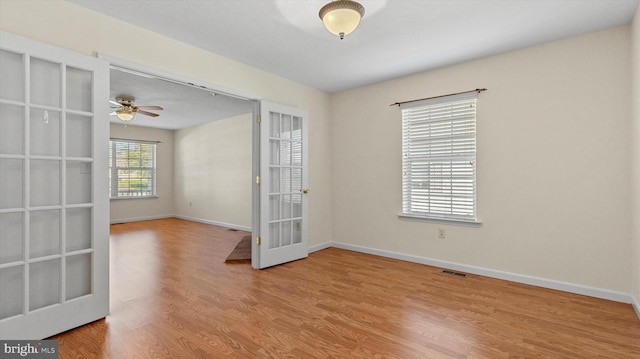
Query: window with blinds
x,y
132,169
439,158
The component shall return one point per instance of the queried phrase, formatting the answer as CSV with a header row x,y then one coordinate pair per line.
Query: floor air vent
x,y
457,274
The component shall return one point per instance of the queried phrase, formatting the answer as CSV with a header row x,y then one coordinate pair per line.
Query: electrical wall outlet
x,y
442,233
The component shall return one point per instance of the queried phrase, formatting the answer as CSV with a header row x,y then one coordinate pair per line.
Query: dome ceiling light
x,y
341,17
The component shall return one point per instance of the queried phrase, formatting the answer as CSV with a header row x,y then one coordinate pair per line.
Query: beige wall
x,y
213,178
69,26
553,163
123,210
635,166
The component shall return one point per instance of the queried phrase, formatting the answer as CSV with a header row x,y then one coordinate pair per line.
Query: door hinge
x,y
259,119
258,240
257,179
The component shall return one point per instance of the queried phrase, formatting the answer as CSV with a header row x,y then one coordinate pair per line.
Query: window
x,y
439,158
132,169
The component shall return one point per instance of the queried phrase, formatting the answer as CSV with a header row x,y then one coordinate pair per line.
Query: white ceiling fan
x,y
127,109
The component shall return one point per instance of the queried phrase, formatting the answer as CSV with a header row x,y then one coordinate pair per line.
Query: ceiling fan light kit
x,y
341,17
125,113
128,110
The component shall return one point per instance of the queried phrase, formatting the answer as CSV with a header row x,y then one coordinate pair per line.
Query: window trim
x,y
113,177
473,219
412,217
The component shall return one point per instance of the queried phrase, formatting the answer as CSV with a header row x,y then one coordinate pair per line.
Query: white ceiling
x,y
395,38
183,106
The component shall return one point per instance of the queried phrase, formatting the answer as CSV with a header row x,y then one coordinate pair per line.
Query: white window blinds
x,y
439,158
132,166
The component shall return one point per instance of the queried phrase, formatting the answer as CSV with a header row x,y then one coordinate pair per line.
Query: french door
x,y
283,185
54,249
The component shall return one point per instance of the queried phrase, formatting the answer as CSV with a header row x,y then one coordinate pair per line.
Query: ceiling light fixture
x,y
125,113
341,17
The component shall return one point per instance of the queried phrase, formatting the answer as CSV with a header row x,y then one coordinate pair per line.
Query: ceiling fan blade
x,y
143,112
114,103
150,108
113,113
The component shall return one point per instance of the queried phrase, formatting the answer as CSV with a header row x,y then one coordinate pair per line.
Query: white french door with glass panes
x,y
54,135
283,187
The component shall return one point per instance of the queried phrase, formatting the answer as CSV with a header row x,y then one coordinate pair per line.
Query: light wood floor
x,y
172,296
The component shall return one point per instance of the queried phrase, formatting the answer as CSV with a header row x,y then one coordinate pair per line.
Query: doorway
x,y
203,142
279,181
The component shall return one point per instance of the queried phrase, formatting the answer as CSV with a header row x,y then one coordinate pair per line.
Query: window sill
x,y
140,197
460,222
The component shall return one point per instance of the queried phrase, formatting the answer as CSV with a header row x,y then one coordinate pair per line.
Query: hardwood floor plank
x,y
172,296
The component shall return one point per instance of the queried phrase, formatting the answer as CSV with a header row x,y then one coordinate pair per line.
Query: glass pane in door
x,y
12,75
78,187
296,205
44,233
296,234
274,204
79,89
44,284
11,129
296,180
285,180
285,127
11,182
44,133
274,123
45,84
285,206
78,272
11,279
44,183
274,235
12,234
285,233
80,129
78,229
285,153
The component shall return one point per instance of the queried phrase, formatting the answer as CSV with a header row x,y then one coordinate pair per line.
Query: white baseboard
x,y
207,221
187,218
513,277
137,219
636,305
319,247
